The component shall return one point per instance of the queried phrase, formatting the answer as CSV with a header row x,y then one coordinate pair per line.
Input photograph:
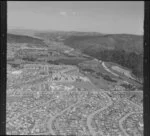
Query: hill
x,y
124,49
61,35
13,38
128,43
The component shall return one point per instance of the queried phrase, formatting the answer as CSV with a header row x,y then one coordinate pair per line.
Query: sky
x,y
87,16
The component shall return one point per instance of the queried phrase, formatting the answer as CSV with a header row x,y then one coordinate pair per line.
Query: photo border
x,y
3,67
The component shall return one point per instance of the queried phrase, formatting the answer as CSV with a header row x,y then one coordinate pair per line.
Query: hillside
x,y
128,43
124,49
13,38
61,35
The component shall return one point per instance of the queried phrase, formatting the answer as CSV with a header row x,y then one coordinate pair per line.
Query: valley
x,y
56,87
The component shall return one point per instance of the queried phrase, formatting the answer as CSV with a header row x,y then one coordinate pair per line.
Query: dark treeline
x,y
131,60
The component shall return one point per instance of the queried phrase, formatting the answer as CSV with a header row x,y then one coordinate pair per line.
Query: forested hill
x,y
128,43
124,49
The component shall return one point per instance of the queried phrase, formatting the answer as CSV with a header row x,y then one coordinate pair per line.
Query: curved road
x,y
91,115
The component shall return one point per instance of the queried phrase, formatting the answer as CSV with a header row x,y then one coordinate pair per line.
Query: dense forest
x,y
131,60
